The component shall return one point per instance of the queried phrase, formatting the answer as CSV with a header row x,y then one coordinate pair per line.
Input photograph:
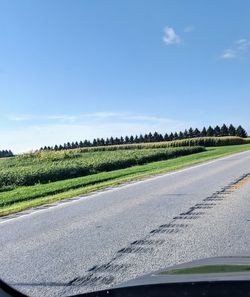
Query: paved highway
x,y
109,237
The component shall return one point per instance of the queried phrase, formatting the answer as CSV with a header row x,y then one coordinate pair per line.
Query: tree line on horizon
x,y
217,131
6,153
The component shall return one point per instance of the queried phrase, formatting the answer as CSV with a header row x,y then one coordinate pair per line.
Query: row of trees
x,y
6,153
217,131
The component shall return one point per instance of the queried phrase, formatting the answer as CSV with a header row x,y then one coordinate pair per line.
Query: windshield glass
x,y
124,140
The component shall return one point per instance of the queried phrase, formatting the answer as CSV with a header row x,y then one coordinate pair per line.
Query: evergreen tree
x,y
146,138
197,132
150,137
121,140
224,130
176,137
98,141
156,137
126,140
166,137
217,131
171,136
241,132
231,130
73,145
181,135
185,134
111,140
102,142
136,140
141,139
107,141
86,143
161,137
6,154
204,132
116,141
190,133
210,131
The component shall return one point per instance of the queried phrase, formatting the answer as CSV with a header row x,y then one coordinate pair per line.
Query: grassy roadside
x,y
23,198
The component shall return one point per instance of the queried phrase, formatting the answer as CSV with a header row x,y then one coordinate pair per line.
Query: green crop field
x,y
44,167
43,177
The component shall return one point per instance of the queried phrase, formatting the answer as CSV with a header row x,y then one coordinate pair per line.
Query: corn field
x,y
52,166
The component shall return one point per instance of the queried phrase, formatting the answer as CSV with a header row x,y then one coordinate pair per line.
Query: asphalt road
x,y
103,239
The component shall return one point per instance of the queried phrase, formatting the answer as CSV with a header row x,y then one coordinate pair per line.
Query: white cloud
x,y
143,118
61,117
124,116
170,37
228,54
87,126
238,49
20,118
242,44
104,115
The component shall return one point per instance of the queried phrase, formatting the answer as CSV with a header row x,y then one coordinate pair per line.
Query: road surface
x,y
100,240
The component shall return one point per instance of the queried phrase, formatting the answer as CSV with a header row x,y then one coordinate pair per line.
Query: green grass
x,y
208,269
25,197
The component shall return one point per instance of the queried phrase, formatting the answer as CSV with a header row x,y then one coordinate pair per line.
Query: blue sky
x,y
71,70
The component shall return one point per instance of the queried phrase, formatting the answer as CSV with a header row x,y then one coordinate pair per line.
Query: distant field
x,y
197,141
17,198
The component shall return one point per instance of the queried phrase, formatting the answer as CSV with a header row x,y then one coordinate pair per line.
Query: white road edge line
x,y
116,188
